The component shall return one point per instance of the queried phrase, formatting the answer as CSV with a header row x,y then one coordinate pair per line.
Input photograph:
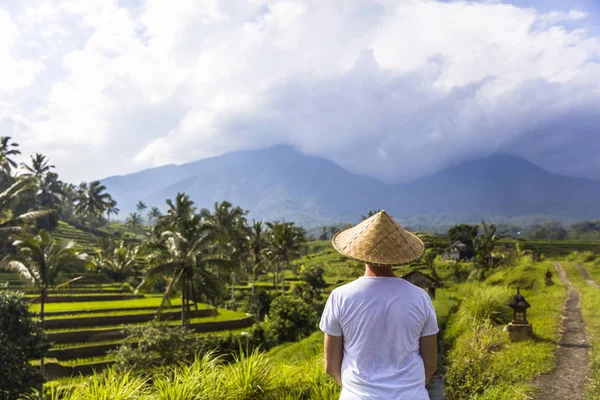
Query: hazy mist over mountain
x,y
282,183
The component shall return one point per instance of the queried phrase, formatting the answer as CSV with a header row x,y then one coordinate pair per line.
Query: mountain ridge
x,y
282,183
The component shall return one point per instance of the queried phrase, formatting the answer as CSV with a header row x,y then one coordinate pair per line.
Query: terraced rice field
x,y
84,240
87,322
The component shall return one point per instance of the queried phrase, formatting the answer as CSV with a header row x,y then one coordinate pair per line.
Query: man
x,y
380,330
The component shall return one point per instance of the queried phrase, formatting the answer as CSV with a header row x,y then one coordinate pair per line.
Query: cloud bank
x,y
390,89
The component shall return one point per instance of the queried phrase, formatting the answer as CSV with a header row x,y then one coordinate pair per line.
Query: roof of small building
x,y
421,280
519,301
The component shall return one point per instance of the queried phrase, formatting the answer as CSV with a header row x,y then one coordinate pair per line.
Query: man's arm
x,y
428,352
334,351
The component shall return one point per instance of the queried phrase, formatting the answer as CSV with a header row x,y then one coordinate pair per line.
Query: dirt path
x,y
587,276
569,377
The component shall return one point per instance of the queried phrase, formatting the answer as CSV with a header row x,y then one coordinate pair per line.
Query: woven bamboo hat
x,y
380,241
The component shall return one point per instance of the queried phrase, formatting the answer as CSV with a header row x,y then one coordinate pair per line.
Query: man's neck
x,y
378,271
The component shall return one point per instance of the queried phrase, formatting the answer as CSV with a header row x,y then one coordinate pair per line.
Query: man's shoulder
x,y
360,284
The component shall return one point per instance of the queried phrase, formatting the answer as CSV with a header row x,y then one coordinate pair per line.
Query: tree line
x,y
190,252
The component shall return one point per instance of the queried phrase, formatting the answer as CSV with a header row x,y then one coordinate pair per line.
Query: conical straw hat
x,y
380,241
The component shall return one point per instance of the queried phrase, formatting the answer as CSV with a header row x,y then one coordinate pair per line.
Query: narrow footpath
x,y
569,377
587,276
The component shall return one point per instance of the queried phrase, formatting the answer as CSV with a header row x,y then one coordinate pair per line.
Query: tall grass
x,y
483,363
485,304
190,382
108,386
253,376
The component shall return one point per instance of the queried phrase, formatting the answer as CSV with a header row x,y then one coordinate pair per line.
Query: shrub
x,y
313,276
155,345
258,304
21,339
290,319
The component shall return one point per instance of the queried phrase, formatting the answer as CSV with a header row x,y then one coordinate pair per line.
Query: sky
x,y
390,89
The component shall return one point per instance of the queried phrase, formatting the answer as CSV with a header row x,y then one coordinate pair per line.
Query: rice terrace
x,y
299,200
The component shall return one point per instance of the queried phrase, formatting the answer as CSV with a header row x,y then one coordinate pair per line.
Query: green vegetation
x,y
223,315
216,259
21,339
482,363
590,298
106,305
253,376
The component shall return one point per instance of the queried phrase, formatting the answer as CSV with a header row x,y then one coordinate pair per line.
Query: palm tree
x,y
154,214
10,222
178,211
484,245
92,200
49,191
39,166
141,206
111,208
230,229
40,259
66,208
429,260
122,260
258,239
8,149
187,249
134,221
285,243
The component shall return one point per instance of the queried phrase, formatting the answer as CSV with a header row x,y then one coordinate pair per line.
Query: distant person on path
x,y
380,330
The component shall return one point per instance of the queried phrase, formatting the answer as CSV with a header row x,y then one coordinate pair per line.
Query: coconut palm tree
x,y
285,243
40,259
49,191
134,221
154,214
8,150
484,245
140,207
259,242
187,251
178,210
92,200
10,222
230,230
66,208
122,261
40,166
429,260
111,208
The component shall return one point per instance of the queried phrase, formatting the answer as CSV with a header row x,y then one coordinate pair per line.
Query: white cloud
x,y
410,85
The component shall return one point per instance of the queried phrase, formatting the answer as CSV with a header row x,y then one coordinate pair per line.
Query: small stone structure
x,y
519,328
548,278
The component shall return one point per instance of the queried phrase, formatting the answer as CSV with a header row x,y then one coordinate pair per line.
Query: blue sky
x,y
387,88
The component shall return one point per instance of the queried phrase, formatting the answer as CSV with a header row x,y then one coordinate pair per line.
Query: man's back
x,y
381,320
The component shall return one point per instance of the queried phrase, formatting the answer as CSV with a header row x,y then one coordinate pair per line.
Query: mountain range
x,y
281,183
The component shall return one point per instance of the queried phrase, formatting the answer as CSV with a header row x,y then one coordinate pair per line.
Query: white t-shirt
x,y
381,320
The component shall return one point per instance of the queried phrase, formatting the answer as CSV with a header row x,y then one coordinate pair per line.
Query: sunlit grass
x,y
106,305
223,315
254,376
484,364
590,300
